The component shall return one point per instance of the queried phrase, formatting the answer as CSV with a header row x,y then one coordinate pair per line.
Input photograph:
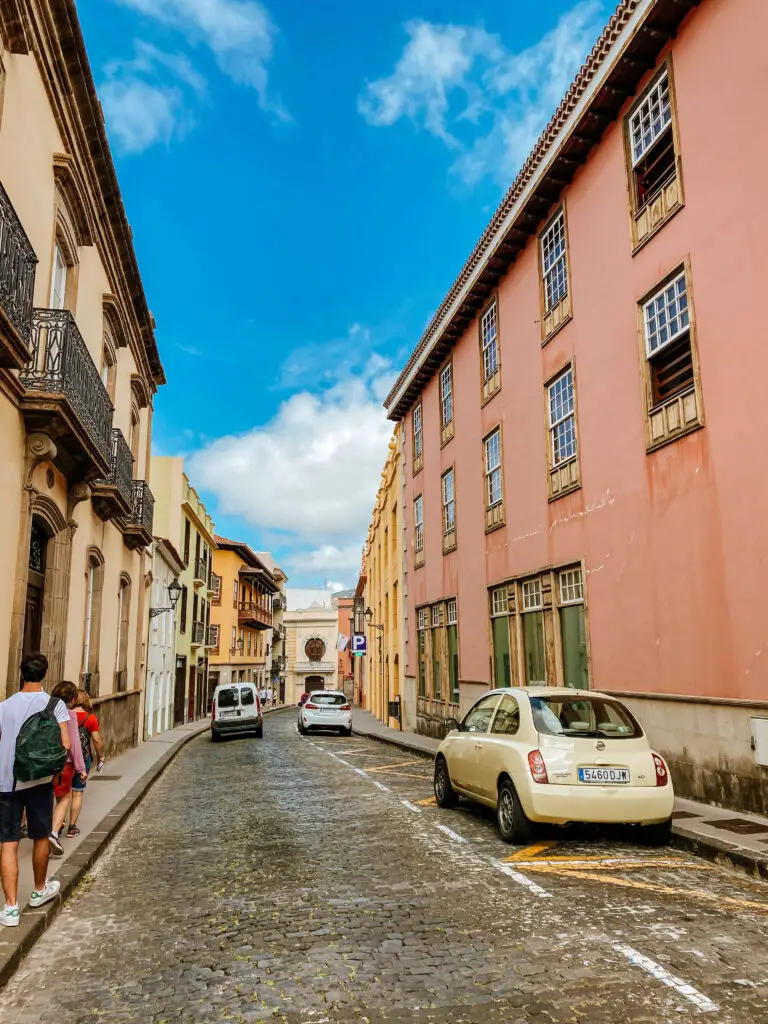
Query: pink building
x,y
582,504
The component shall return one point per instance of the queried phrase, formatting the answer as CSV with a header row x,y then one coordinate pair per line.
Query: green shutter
x,y
533,646
453,662
574,633
500,629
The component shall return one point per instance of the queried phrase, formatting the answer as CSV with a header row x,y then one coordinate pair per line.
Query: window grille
x,y
651,119
489,332
553,262
562,418
532,595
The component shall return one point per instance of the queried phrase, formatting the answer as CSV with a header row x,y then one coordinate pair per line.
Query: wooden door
x,y
33,619
192,676
178,693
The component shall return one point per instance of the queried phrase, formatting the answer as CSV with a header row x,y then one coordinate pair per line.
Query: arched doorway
x,y
33,612
314,683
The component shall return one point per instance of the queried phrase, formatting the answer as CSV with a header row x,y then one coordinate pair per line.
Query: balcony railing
x,y
251,613
310,668
214,588
61,367
113,495
201,571
198,634
17,283
137,528
212,641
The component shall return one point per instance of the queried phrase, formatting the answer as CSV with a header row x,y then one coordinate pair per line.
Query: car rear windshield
x,y
228,698
584,716
328,699
247,696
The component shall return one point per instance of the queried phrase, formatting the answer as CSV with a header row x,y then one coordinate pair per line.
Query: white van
x,y
236,710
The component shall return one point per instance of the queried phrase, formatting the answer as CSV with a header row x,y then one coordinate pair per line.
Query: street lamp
x,y
174,593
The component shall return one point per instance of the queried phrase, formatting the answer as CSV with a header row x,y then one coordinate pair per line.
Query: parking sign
x,y
359,643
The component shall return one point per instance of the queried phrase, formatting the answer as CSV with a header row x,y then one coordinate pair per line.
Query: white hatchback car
x,y
236,709
541,754
326,709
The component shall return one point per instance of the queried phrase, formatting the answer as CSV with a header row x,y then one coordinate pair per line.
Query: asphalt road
x,y
311,879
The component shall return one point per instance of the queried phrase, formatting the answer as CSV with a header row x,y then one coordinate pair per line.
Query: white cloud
x,y
240,33
463,86
311,473
144,97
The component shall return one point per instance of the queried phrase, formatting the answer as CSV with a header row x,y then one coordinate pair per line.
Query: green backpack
x,y
39,750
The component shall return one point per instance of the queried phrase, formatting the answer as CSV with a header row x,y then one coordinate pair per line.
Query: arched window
x,y
38,558
92,632
109,362
123,627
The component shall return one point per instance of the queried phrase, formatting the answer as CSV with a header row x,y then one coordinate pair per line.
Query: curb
x,y
716,851
34,923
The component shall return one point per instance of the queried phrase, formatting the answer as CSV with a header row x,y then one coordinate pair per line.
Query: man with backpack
x,y
34,740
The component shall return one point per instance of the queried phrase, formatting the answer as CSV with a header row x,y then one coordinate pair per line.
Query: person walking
x,y
91,745
35,796
75,765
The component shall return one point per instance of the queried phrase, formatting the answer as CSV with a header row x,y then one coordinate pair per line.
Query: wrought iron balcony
x,y
137,528
249,613
65,396
198,634
17,283
201,572
113,495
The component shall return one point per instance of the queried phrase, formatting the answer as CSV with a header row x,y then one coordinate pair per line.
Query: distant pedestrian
x,y
93,748
30,709
75,765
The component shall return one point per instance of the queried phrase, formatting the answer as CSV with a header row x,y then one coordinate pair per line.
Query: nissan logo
x,y
600,745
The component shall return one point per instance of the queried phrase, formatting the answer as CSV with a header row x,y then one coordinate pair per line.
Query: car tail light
x,y
311,707
213,711
662,775
537,766
345,707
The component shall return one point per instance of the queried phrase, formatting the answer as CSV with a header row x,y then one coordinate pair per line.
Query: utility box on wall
x,y
760,740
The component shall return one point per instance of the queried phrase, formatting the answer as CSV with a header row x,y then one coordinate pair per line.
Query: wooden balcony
x,y
198,634
201,573
17,283
137,527
65,396
212,640
249,613
214,588
113,494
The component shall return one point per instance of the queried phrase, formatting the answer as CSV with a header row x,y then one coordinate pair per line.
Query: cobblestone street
x,y
310,879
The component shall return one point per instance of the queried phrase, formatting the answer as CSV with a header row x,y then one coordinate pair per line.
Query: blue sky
x,y
304,181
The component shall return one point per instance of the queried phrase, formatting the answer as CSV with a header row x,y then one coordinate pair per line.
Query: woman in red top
x,y
90,740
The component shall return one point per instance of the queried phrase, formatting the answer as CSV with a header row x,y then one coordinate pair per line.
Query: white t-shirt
x,y
13,714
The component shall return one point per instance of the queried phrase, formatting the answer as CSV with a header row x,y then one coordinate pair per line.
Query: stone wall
x,y
118,715
708,744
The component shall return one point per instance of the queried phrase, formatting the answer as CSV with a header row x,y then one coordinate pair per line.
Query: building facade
x,y
181,516
311,636
383,595
344,603
581,505
242,615
79,369
167,566
276,661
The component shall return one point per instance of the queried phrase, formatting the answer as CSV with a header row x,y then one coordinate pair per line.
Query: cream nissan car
x,y
542,754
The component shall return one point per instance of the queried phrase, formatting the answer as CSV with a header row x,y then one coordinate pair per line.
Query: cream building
x,y
383,592
181,516
311,634
79,367
276,660
167,566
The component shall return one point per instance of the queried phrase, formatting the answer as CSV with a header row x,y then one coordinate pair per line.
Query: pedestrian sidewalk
x,y
715,833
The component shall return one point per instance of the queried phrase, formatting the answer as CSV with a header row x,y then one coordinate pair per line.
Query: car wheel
x,y
656,835
260,732
215,736
347,732
512,823
445,794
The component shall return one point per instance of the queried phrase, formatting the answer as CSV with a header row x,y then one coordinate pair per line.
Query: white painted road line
x,y
508,870
451,833
378,785
704,1003
410,806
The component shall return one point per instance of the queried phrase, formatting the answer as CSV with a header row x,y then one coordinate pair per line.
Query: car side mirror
x,y
450,724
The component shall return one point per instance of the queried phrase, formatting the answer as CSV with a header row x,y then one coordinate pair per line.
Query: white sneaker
x,y
37,899
10,917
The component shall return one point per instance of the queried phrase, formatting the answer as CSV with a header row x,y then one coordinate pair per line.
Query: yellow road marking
x,y
609,864
399,764
531,851
429,802
696,893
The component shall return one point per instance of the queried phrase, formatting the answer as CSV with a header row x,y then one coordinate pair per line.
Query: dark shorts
x,y
78,784
37,802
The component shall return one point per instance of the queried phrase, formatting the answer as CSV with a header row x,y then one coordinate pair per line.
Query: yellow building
x,y
79,368
382,590
241,616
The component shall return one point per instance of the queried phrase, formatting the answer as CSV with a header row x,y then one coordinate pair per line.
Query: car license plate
x,y
604,776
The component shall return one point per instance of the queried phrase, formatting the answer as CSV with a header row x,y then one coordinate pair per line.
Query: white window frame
x,y
561,414
437,616
554,261
89,617
216,587
449,501
657,309
655,108
571,586
423,618
418,432
446,395
213,633
418,519
489,332
452,612
493,472
120,599
59,273
499,601
532,596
